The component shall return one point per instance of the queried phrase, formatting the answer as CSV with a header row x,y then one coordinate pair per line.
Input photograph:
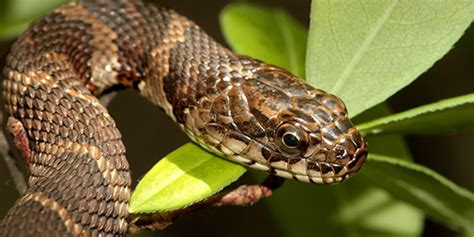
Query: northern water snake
x,y
238,107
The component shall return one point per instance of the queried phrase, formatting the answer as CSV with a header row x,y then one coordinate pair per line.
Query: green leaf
x,y
438,197
365,51
266,34
450,115
16,15
185,176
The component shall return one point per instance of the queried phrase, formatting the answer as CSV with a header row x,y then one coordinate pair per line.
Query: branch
x,y
18,178
241,196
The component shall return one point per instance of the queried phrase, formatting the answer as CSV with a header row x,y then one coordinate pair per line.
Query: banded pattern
x,y
248,111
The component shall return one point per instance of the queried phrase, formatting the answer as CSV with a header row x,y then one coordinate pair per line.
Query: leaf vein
x,y
364,47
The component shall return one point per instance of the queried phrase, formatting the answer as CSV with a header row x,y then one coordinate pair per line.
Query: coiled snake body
x,y
248,111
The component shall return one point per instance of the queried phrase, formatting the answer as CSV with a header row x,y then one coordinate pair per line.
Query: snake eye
x,y
291,139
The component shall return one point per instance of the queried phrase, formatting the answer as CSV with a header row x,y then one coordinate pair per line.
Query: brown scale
x,y
250,112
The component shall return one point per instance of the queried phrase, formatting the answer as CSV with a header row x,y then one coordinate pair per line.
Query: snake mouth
x,y
322,172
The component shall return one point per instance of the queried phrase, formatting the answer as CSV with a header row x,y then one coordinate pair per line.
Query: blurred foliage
x,y
276,37
16,15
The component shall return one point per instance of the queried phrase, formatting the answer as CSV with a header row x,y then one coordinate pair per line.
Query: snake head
x,y
318,139
298,131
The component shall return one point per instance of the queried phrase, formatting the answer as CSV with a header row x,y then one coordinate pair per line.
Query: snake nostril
x,y
340,152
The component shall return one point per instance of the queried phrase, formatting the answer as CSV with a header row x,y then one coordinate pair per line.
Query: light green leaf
x,y
365,51
16,15
266,34
185,176
450,115
438,197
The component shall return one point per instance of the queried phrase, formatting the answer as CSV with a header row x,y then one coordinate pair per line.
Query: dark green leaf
x,y
450,115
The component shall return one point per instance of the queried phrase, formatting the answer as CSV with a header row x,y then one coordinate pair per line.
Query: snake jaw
x,y
325,172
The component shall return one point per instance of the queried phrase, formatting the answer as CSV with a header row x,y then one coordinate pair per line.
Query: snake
x,y
235,106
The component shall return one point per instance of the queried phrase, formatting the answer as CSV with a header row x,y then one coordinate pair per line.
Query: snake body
x,y
238,107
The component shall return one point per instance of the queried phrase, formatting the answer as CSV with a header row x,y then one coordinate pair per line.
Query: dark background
x,y
149,134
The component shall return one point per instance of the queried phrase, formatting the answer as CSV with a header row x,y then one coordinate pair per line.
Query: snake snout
x,y
357,161
358,152
338,159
